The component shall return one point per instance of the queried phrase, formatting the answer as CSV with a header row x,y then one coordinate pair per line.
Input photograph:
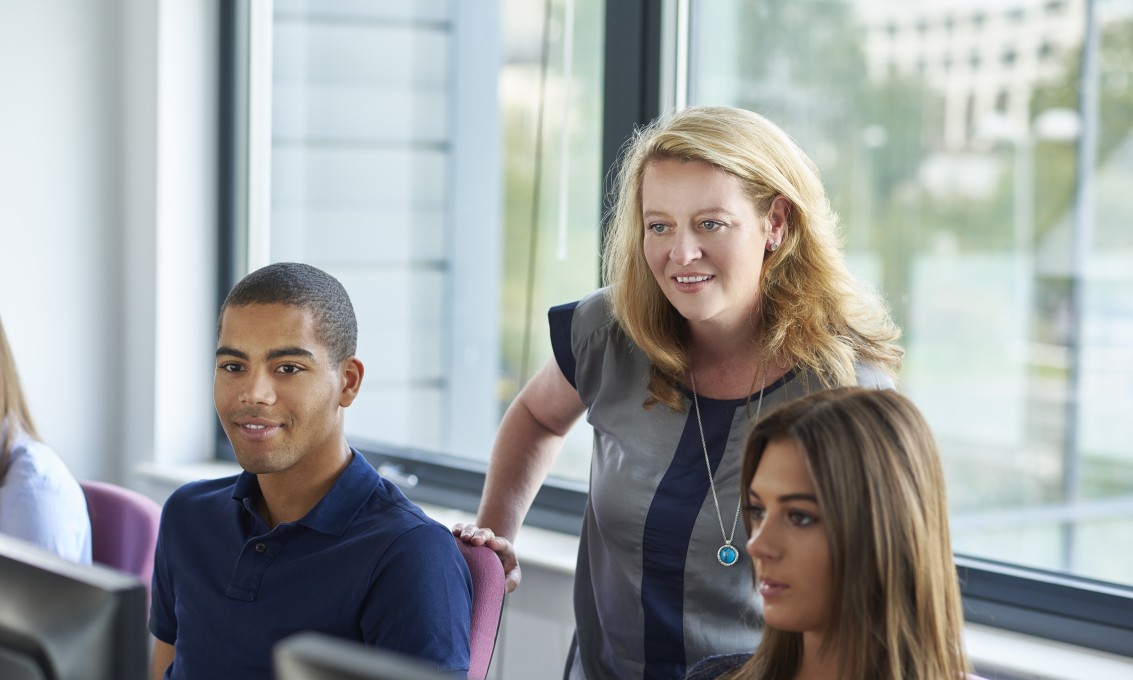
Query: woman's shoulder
x,y
34,463
715,666
593,311
588,317
38,481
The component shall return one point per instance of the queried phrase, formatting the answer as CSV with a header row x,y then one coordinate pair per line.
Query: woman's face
x,y
704,241
788,545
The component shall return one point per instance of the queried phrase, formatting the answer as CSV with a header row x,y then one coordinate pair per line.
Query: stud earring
x,y
773,246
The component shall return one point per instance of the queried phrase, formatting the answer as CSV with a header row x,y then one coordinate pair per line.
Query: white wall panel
x,y
60,178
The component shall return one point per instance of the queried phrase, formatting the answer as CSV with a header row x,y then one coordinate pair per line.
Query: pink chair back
x,y
487,605
123,528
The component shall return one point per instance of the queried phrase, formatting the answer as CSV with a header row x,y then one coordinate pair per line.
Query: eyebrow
x,y
788,497
273,354
719,210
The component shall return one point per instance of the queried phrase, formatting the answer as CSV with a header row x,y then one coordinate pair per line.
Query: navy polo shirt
x,y
364,564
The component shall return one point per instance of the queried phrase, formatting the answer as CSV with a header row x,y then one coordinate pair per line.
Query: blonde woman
x,y
848,533
727,296
40,501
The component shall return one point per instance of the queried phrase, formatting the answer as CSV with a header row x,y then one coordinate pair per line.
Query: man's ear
x,y
777,218
352,372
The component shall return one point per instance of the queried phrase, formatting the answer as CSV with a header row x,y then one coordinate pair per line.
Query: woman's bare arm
x,y
529,439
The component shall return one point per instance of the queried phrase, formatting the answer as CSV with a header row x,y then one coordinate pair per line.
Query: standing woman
x,y
848,520
40,501
727,296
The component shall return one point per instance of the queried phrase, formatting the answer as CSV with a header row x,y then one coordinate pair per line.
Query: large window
x,y
980,156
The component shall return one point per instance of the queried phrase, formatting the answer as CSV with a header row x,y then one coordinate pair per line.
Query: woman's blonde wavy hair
x,y
896,610
812,313
14,411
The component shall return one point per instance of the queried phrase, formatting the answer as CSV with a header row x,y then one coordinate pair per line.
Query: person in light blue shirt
x,y
40,501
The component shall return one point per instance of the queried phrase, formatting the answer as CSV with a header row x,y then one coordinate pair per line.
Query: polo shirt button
x,y
260,547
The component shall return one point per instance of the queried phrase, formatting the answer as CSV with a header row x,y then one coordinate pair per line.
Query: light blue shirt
x,y
41,502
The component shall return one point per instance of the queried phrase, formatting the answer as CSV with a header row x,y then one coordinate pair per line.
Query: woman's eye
x,y
656,228
711,225
802,519
756,512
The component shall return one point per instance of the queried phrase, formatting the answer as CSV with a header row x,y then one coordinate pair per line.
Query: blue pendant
x,y
727,555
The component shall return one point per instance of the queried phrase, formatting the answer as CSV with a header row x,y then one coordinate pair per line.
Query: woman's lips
x,y
691,283
770,588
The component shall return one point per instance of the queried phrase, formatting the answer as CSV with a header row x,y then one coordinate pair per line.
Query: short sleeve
x,y
579,327
592,351
560,319
420,599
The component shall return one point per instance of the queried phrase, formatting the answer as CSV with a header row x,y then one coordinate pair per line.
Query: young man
x,y
308,537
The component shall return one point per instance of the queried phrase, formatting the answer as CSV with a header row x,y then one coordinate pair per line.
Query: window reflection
x,y
551,108
957,188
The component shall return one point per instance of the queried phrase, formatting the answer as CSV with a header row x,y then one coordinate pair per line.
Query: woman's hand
x,y
474,535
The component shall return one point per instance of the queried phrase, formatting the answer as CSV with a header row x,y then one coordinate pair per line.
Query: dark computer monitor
x,y
317,656
65,621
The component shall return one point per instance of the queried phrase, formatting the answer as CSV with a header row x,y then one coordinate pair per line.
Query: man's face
x,y
277,391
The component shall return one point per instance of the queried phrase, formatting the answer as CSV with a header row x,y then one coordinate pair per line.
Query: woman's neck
x,y
730,366
815,666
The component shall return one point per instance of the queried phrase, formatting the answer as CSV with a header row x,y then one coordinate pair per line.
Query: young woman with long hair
x,y
847,520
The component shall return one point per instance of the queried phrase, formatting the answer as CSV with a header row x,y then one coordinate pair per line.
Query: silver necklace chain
x,y
708,462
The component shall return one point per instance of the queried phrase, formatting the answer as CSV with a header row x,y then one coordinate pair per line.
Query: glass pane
x,y
553,135
410,143
947,137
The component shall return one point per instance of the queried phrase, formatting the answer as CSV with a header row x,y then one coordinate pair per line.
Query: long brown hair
x,y
812,310
13,407
896,610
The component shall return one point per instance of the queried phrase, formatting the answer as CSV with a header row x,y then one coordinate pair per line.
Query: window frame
x,y
1050,605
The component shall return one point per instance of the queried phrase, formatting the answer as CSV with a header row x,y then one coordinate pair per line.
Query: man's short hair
x,y
301,285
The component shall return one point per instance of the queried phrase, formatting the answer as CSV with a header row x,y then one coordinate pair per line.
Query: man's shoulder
x,y
391,517
203,492
389,511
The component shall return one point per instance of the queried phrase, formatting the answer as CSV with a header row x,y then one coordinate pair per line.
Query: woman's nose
x,y
686,247
762,545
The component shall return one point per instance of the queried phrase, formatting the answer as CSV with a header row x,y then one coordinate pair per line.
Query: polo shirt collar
x,y
334,512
